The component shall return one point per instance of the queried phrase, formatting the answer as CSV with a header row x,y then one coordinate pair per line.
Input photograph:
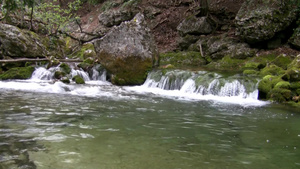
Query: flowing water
x,y
177,119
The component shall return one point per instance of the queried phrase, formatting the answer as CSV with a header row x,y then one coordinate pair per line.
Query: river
x,y
48,125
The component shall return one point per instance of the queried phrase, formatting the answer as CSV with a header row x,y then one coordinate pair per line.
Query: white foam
x,y
186,94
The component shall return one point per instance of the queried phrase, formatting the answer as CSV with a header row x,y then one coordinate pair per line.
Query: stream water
x,y
175,120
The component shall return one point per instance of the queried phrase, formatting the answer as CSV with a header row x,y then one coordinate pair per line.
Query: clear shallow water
x,y
111,127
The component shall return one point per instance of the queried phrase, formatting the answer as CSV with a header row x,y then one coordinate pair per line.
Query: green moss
x,y
177,59
280,95
227,63
78,79
89,62
87,50
283,85
282,61
131,70
295,85
65,68
250,72
267,84
272,70
292,75
65,80
59,74
253,66
18,73
264,59
298,91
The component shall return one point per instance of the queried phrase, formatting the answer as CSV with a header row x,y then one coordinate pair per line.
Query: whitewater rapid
x,y
178,85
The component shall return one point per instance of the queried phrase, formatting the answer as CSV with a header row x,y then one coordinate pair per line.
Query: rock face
x,y
128,52
115,17
295,39
15,42
259,21
219,46
195,26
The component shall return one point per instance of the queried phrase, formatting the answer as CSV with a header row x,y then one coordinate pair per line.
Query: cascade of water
x,y
96,75
203,84
80,73
42,73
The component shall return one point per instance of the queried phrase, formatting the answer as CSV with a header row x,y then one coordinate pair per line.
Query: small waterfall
x,y
203,83
80,73
42,73
96,74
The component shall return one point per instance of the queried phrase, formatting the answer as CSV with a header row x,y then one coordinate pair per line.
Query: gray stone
x,y
259,21
195,26
21,43
128,51
219,46
114,17
294,41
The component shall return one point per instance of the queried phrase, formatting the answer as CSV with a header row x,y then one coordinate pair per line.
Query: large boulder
x,y
15,42
128,51
219,46
259,21
195,26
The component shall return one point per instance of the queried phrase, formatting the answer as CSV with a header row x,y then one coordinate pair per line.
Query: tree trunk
x,y
37,60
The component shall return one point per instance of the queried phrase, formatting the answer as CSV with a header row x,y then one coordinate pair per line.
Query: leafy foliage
x,y
54,16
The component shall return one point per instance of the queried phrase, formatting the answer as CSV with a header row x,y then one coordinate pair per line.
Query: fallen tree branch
x,y
37,60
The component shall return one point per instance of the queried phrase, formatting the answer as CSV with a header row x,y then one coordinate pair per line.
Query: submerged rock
x,y
78,79
259,21
128,52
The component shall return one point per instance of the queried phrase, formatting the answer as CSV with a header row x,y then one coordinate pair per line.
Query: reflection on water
x,y
39,130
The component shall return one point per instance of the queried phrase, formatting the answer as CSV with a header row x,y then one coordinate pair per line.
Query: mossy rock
x,y
190,58
298,91
283,85
253,66
272,70
267,84
280,95
282,61
292,75
87,50
65,68
65,80
78,79
59,74
131,70
264,59
295,64
87,63
250,72
7,66
70,45
227,63
295,85
18,73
